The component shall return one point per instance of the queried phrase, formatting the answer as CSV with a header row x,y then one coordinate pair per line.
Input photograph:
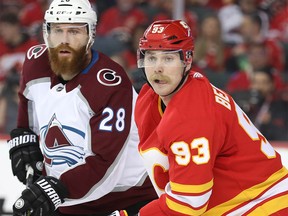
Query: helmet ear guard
x,y
189,57
71,11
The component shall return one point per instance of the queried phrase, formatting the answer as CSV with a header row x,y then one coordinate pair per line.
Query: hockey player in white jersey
x,y
76,116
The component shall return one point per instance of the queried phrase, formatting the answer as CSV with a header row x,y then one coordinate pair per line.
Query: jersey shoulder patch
x,y
36,51
108,77
197,75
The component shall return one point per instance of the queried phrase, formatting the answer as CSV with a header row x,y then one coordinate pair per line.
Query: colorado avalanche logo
x,y
108,77
36,51
58,149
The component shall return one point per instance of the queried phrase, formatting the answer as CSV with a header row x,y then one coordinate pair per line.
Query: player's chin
x,y
161,89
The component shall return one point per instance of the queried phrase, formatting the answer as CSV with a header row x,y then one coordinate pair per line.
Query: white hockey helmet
x,y
71,11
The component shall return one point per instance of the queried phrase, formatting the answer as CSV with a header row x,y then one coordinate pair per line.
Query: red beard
x,y
68,66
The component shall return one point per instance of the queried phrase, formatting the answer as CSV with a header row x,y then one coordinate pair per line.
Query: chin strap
x,y
185,73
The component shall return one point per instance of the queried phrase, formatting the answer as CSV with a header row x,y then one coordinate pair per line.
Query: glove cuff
x,y
21,137
53,189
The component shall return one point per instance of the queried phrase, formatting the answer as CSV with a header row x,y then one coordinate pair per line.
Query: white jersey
x,y
86,127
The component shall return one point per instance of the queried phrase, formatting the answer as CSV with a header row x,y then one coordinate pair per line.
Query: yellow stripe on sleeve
x,y
247,194
184,209
271,206
191,188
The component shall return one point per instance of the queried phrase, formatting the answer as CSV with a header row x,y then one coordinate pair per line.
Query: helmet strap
x,y
184,75
145,77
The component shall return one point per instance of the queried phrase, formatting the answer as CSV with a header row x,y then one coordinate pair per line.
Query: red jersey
x,y
240,81
205,157
114,19
189,17
278,24
12,57
31,14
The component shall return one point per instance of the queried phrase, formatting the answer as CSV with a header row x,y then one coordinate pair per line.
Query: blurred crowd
x,y
240,45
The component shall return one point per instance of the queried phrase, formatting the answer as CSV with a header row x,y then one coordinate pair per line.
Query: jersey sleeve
x,y
190,149
34,64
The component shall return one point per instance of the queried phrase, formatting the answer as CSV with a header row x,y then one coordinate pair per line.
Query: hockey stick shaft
x,y
29,181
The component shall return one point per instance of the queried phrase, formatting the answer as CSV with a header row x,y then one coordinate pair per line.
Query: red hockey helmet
x,y
168,35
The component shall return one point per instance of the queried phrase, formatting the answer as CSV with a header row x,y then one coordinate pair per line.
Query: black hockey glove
x,y
42,198
24,150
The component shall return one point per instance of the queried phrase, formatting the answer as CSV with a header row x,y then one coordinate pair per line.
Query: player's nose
x,y
159,67
65,38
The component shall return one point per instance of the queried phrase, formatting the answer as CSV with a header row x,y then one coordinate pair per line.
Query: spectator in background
x,y
130,54
230,16
124,16
252,7
9,103
102,5
215,4
116,25
166,12
128,58
277,11
210,51
200,8
255,58
264,106
10,6
14,43
135,74
151,8
251,32
31,15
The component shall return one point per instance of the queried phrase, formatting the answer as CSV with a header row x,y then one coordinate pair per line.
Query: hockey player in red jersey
x,y
202,153
77,116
